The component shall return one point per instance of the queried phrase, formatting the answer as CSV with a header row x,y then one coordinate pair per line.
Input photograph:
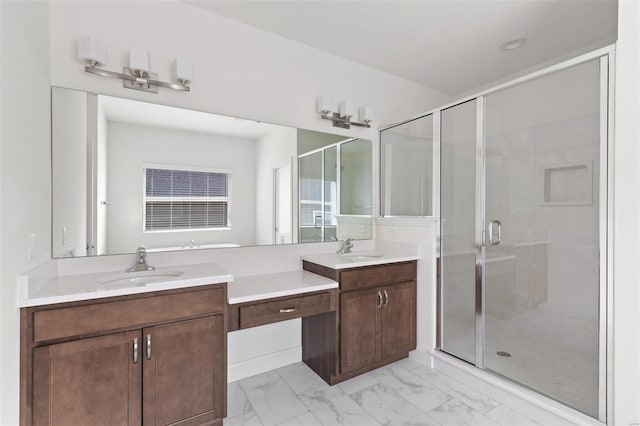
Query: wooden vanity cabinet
x,y
87,381
376,324
162,362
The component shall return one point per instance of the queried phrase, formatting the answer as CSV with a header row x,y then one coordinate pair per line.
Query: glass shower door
x,y
458,246
541,262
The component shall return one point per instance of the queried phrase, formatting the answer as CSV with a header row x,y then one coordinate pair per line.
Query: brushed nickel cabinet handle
x,y
379,300
386,299
287,310
148,346
135,350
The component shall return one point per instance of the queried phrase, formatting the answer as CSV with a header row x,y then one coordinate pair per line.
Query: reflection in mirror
x,y
127,173
333,205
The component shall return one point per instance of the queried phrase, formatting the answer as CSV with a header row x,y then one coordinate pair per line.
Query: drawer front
x,y
284,309
373,276
125,314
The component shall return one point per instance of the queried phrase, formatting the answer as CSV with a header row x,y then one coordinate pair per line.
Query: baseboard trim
x,y
264,363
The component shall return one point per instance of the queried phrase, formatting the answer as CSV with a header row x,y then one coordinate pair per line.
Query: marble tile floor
x,y
404,393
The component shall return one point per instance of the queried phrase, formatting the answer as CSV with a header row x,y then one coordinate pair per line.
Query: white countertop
x,y
356,259
265,286
36,291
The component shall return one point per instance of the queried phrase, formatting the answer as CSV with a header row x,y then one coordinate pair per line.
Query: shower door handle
x,y
499,239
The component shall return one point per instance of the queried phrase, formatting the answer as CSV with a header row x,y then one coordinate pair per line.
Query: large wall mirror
x,y
128,173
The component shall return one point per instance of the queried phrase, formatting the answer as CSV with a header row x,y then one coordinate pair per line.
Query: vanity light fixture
x,y
345,117
137,75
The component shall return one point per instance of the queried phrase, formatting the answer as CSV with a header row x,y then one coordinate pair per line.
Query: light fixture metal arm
x,y
342,121
140,82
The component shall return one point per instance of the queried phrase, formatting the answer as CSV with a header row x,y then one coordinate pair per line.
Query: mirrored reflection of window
x,y
406,168
181,199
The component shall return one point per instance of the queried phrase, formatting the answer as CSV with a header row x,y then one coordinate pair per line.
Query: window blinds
x,y
182,199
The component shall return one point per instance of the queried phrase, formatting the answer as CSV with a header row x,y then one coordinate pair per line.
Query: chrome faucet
x,y
141,262
346,247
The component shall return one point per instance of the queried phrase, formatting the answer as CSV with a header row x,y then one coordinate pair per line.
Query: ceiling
x,y
451,46
147,114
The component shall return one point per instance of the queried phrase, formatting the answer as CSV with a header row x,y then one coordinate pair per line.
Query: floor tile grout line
x,y
287,384
294,394
477,390
421,410
395,393
361,407
463,385
536,422
248,401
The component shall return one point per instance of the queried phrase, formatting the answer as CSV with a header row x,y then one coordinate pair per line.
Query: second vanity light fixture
x,y
344,117
137,75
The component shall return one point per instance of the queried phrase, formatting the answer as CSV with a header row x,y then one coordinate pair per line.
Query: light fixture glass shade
x,y
183,71
347,109
365,114
139,60
323,104
90,50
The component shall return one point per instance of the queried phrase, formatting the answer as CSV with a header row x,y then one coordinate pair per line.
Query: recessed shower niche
x,y
568,184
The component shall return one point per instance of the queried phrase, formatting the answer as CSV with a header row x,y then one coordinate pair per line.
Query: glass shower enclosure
x,y
523,233
520,191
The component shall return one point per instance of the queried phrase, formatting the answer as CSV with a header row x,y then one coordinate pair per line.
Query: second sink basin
x,y
137,279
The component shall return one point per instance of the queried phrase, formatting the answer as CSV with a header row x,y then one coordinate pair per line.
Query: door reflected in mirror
x,y
129,173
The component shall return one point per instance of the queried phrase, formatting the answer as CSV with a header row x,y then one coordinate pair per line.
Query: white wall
x,y
626,216
69,159
25,180
272,150
131,147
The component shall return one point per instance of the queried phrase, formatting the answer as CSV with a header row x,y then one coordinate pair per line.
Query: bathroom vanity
x,y
163,354
156,353
374,323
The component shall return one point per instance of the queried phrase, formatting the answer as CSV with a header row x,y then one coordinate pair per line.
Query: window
x,y
182,199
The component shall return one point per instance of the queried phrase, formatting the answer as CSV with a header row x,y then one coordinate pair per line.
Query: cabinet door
x,y
398,325
93,381
359,329
184,377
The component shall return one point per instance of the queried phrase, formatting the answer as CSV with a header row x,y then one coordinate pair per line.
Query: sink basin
x,y
137,279
362,256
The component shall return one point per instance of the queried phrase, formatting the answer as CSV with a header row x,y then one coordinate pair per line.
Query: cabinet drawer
x,y
373,276
284,309
125,314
